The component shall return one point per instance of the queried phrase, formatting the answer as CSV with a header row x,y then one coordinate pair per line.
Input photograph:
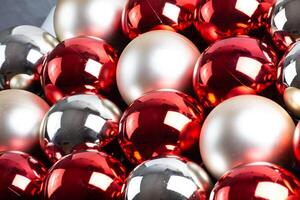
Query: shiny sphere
x,y
78,122
291,99
21,114
234,66
285,22
246,129
21,176
140,16
98,18
168,178
156,60
85,175
296,143
218,19
79,65
257,181
161,122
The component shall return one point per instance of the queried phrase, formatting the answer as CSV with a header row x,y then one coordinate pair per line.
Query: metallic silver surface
x,y
77,120
156,60
48,24
291,99
21,113
168,178
99,18
246,129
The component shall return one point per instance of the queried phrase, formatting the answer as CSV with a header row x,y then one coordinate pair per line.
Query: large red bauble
x,y
257,181
234,66
217,19
85,175
20,176
160,122
140,16
79,65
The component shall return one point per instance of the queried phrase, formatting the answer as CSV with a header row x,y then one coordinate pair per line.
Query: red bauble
x,y
217,19
20,176
85,175
141,16
234,66
161,122
257,181
79,65
296,143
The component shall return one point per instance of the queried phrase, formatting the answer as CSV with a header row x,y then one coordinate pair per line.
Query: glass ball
x,y
79,65
160,122
234,66
85,175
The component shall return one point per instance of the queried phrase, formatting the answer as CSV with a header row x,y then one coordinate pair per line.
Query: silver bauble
x,y
156,60
21,114
246,129
78,122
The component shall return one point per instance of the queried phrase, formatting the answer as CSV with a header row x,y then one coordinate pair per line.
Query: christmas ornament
x,y
291,99
285,26
217,19
296,143
99,18
85,175
79,65
156,60
78,122
21,113
48,24
161,122
168,178
234,66
140,16
245,129
20,176
257,181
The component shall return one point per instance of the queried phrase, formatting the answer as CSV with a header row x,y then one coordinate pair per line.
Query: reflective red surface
x,y
85,175
20,176
296,143
234,66
258,181
79,65
160,122
141,16
217,19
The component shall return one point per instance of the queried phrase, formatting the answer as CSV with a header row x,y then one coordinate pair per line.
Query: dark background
x,y
24,12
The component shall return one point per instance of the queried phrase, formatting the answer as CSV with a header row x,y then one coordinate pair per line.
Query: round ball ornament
x,y
244,129
21,114
296,143
79,65
234,66
156,60
98,18
160,122
167,178
78,122
85,175
218,19
140,16
21,176
257,181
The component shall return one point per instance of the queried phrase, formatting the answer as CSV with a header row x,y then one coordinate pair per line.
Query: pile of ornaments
x,y
153,100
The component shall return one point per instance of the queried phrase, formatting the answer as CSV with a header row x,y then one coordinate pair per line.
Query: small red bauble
x,y
85,175
234,66
79,65
257,181
296,143
217,19
20,176
141,16
160,122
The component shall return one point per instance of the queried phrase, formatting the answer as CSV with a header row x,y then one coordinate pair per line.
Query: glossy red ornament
x,y
160,122
85,175
217,19
296,143
257,181
20,176
79,65
140,16
234,66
